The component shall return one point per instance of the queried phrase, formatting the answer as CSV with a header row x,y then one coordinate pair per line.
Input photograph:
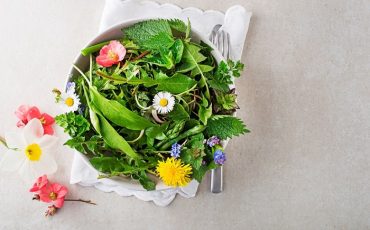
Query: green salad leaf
x,y
225,126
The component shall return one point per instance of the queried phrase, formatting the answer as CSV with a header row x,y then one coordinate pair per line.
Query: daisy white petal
x,y
33,130
69,101
163,102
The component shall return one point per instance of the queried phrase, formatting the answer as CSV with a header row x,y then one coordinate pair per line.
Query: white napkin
x,y
235,21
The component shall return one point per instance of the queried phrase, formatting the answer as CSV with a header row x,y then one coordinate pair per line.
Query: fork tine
x,y
220,42
228,54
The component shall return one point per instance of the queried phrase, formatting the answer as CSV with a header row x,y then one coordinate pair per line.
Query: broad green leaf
x,y
157,132
114,140
117,113
191,58
178,83
178,113
205,113
201,69
177,49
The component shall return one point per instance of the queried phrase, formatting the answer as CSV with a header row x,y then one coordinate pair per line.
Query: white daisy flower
x,y
29,152
69,101
163,102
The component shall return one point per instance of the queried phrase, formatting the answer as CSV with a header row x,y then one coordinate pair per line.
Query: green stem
x,y
81,200
93,48
82,74
197,129
138,138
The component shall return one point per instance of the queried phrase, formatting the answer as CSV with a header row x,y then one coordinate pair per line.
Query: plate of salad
x,y
149,101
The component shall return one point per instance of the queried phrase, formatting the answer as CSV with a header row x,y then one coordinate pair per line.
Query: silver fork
x,y
221,39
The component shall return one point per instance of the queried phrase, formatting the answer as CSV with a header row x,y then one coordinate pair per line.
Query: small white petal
x,y
12,160
15,139
33,131
46,165
27,173
47,141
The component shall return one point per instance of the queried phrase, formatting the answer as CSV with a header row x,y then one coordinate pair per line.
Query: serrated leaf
x,y
177,24
150,33
225,126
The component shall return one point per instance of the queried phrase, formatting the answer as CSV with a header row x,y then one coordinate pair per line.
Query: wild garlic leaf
x,y
225,126
117,113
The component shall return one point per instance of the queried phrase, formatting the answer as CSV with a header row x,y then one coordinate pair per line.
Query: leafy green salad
x,y
154,103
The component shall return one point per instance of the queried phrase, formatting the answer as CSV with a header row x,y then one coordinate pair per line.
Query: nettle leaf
x,y
178,113
150,34
178,25
178,83
110,165
225,126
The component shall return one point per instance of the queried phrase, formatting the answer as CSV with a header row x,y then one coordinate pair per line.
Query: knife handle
x,y
217,180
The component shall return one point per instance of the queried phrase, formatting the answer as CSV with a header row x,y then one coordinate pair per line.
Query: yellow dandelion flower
x,y
173,172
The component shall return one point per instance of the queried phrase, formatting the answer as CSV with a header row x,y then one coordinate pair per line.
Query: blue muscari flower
x,y
175,150
219,157
70,86
212,141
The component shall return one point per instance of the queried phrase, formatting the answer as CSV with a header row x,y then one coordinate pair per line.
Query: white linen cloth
x,y
235,21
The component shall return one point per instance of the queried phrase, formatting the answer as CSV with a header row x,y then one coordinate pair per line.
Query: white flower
x,y
29,152
69,100
163,102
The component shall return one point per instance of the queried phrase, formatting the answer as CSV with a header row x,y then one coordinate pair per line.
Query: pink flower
x,y
26,113
21,113
111,54
54,193
40,184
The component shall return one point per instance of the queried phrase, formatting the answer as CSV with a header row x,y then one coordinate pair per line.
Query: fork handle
x,y
217,180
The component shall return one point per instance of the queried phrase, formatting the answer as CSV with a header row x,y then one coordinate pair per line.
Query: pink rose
x,y
111,54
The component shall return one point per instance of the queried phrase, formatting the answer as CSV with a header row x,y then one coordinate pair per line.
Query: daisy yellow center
x,y
173,172
112,55
33,152
163,102
53,196
69,101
